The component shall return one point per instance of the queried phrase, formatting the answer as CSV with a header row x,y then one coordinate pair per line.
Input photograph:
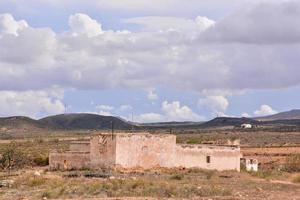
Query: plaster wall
x,y
80,146
103,150
145,150
220,158
69,160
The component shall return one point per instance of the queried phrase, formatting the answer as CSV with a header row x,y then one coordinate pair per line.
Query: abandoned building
x,y
144,150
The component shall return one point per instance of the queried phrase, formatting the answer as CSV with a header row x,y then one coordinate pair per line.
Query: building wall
x,y
80,146
251,164
69,160
103,151
220,158
145,150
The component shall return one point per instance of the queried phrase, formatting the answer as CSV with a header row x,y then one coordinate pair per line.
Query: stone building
x,y
144,150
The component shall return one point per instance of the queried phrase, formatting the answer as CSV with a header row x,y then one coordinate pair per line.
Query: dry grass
x,y
169,183
296,179
164,185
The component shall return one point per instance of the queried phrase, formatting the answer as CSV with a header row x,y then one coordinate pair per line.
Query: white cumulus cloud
x,y
30,103
149,117
217,103
175,112
265,110
8,25
82,24
245,115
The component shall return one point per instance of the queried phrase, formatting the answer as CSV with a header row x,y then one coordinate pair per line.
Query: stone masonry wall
x,y
208,157
103,150
145,150
80,146
69,160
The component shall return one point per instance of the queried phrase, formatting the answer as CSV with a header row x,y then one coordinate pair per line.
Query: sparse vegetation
x,y
293,163
177,177
194,141
12,157
164,183
265,174
296,179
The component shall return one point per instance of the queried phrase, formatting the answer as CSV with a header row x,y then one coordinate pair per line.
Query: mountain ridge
x,y
286,115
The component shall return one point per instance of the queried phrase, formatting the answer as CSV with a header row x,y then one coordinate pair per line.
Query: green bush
x,y
41,160
194,141
12,157
177,177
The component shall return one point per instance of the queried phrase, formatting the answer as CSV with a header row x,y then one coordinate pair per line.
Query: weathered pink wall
x,y
221,157
80,146
69,160
103,151
145,150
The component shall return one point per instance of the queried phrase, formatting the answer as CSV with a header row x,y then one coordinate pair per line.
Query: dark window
x,y
207,159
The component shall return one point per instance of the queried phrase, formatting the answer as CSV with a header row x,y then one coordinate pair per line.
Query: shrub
x,y
293,163
265,174
297,179
177,177
194,141
73,174
41,160
209,173
12,157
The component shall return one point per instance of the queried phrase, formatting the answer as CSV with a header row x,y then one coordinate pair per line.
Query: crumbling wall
x,y
145,150
80,146
208,157
69,160
103,151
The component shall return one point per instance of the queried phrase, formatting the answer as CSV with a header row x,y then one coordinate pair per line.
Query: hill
x,y
85,121
171,125
19,126
227,121
20,122
288,115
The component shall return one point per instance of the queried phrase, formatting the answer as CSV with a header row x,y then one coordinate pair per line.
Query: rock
x,y
6,183
37,173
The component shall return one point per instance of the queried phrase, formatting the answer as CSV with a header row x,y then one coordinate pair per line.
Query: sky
x,y
149,61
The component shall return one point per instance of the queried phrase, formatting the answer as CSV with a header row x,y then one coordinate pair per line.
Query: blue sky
x,y
160,61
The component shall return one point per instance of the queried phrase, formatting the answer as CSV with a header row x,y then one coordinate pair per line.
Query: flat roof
x,y
134,134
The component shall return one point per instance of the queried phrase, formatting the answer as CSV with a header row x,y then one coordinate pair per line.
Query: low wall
x,y
80,146
208,157
69,160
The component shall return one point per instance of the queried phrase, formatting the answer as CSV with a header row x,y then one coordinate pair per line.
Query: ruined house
x,y
144,150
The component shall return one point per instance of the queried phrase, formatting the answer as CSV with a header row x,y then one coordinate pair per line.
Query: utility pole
x,y
112,130
132,122
66,108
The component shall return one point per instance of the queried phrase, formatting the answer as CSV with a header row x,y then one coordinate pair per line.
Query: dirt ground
x,y
158,184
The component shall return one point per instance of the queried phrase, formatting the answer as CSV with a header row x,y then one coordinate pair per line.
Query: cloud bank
x,y
255,47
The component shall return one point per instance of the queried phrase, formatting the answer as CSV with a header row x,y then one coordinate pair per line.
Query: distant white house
x,y
246,126
251,164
